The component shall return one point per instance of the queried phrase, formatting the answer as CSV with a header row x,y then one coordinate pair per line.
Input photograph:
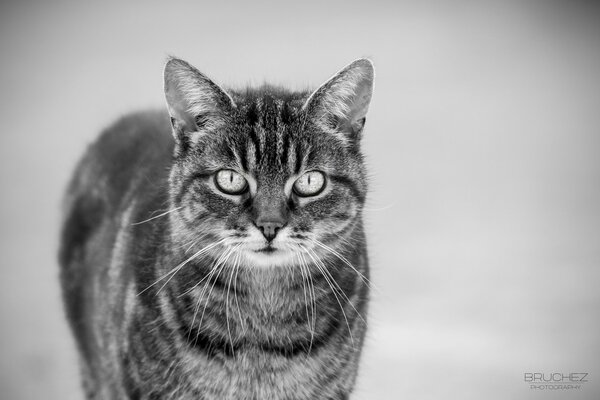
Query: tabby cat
x,y
226,260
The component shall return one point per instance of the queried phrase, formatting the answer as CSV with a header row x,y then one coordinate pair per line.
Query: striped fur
x,y
167,284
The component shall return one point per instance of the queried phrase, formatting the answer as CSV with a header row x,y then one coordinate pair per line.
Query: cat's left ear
x,y
196,104
340,105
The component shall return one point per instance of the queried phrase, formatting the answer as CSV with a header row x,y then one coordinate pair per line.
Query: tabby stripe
x,y
193,224
256,143
243,158
276,155
128,381
187,182
190,276
265,112
285,150
350,184
185,307
298,158
302,346
213,344
210,345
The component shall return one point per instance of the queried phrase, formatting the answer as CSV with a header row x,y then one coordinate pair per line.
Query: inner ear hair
x,y
182,139
340,105
201,120
194,101
353,129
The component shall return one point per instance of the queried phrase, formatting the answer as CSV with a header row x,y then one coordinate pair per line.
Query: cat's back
x,y
131,155
122,174
129,160
136,147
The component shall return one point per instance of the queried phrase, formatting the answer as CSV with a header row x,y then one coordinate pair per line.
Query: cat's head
x,y
271,174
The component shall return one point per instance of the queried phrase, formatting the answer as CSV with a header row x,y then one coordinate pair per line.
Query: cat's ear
x,y
196,104
340,105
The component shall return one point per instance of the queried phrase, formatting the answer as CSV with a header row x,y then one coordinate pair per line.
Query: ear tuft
x,y
195,103
340,105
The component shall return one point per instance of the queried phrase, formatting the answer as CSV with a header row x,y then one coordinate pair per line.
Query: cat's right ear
x,y
340,105
195,103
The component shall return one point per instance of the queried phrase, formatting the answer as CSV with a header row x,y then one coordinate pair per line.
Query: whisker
x,y
231,271
157,216
340,291
213,286
178,267
213,268
237,270
195,242
308,319
387,207
348,263
334,294
313,296
352,243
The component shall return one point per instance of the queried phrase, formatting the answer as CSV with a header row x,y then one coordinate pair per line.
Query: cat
x,y
217,250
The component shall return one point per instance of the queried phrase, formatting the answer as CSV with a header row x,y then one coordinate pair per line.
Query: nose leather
x,y
270,216
269,228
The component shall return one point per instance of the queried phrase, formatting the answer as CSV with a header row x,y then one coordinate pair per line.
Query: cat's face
x,y
270,176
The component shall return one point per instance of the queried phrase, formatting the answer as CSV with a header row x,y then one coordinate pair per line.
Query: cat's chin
x,y
269,257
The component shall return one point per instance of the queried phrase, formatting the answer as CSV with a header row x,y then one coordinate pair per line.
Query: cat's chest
x,y
255,375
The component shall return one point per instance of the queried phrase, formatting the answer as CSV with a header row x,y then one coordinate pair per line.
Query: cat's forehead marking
x,y
268,118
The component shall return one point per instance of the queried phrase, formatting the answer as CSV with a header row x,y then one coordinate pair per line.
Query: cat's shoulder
x,y
135,145
131,155
128,162
136,133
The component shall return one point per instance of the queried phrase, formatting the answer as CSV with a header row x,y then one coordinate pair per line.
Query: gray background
x,y
482,142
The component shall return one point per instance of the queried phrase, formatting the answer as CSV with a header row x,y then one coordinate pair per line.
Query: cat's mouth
x,y
267,255
266,249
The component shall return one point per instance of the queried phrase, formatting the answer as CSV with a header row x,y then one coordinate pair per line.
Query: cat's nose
x,y
269,228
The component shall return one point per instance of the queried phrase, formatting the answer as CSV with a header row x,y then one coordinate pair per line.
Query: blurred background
x,y
483,145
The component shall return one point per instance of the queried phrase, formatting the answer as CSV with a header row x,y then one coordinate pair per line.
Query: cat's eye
x,y
310,184
230,182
